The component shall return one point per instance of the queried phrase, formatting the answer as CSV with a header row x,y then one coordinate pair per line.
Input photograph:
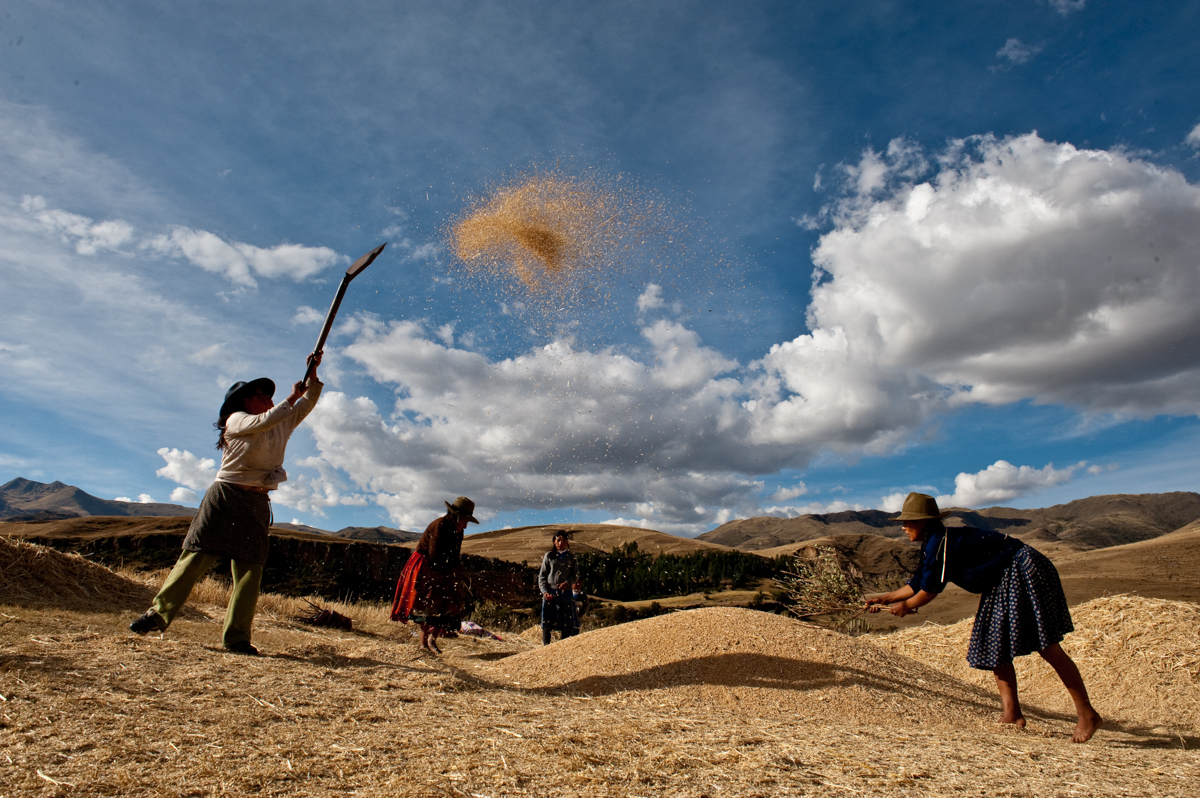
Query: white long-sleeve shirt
x,y
255,445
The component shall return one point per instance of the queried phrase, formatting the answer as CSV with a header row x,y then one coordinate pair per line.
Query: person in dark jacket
x,y
557,579
1022,608
234,518
432,589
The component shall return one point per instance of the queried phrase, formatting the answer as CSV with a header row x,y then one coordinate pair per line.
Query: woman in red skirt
x,y
432,590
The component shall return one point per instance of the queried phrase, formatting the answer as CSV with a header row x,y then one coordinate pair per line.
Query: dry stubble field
x,y
709,702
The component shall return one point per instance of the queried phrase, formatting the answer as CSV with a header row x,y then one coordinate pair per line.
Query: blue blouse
x,y
974,559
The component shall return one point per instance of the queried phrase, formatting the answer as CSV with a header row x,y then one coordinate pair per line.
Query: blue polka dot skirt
x,y
1025,612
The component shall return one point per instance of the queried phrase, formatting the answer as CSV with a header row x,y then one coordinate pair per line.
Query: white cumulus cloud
x,y
187,469
787,494
1002,481
994,271
185,495
239,262
651,298
1023,269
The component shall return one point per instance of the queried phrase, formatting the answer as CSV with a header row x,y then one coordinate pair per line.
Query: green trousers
x,y
188,570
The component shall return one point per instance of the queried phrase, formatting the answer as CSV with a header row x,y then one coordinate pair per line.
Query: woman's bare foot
x,y
1015,719
1088,723
433,646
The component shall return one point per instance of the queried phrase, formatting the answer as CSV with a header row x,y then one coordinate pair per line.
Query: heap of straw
x,y
33,575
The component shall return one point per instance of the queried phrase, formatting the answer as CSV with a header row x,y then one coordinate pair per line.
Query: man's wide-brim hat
x,y
463,508
239,392
919,507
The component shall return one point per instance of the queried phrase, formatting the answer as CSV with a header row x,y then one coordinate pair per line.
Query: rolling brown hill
x,y
528,543
377,534
1101,521
771,532
1095,522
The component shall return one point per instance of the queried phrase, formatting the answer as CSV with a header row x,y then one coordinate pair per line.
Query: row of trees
x,y
626,574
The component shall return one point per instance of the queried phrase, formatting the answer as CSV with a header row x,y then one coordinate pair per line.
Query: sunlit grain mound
x,y
1139,657
748,662
32,575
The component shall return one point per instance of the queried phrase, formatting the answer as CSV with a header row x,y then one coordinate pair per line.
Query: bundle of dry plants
x,y
823,588
316,615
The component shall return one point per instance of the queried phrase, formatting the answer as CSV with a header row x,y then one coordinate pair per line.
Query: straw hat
x,y
463,508
919,507
240,391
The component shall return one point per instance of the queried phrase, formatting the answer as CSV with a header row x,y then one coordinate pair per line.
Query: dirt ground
x,y
90,709
710,702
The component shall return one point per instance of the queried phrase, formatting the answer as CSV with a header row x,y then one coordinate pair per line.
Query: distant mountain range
x,y
1093,523
35,502
26,500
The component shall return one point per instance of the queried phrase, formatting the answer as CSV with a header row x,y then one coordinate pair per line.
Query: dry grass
x,y
704,703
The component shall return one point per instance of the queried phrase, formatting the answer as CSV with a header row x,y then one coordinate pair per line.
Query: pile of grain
x,y
747,662
32,575
1139,657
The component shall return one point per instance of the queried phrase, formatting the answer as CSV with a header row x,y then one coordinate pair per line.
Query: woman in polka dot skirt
x,y
1022,608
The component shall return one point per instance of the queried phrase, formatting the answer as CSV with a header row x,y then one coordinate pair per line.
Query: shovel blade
x,y
364,261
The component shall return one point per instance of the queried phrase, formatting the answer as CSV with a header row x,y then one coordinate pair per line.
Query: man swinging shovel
x,y
234,518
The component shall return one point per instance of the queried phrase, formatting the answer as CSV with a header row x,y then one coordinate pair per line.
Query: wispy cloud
x,y
1193,138
1017,52
1067,7
87,235
239,262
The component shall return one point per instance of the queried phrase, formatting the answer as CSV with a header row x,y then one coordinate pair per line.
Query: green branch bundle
x,y
823,589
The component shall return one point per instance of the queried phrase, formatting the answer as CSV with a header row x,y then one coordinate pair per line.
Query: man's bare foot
x,y
433,646
1086,727
1016,720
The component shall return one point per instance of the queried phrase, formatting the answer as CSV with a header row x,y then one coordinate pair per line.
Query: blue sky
x,y
950,247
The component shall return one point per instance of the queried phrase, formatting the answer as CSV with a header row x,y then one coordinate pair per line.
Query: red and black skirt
x,y
430,597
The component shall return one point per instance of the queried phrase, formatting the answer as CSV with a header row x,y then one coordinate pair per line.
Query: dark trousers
x,y
559,613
